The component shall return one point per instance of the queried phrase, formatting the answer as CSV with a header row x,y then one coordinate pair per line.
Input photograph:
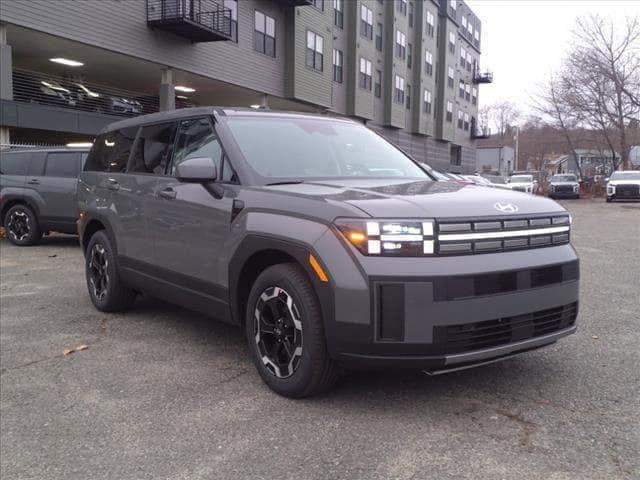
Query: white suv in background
x,y
523,183
624,185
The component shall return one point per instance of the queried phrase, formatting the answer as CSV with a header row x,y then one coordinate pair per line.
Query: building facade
x,y
408,69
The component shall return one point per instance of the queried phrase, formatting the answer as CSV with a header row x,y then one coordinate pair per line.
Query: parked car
x,y
623,185
291,226
523,183
38,192
564,185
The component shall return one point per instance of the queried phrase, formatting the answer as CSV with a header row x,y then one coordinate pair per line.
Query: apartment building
x,y
409,69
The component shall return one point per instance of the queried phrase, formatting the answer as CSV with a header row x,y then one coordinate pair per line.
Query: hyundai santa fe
x,y
327,244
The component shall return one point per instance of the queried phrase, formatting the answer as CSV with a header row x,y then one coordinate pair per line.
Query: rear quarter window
x,y
14,163
62,164
111,150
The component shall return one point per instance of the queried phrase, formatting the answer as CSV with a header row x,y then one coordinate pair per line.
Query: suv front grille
x,y
627,190
502,331
468,236
563,188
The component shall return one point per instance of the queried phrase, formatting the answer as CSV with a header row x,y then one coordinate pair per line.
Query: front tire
x,y
285,333
106,289
21,225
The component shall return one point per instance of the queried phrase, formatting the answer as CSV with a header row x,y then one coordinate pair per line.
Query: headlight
x,y
611,189
575,188
395,238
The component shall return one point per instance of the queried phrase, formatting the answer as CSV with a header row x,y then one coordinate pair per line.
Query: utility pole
x,y
517,160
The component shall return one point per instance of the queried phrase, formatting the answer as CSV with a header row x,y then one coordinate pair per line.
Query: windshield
x,y
563,178
521,179
627,175
310,147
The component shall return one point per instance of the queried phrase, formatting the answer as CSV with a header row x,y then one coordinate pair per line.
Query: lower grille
x,y
563,189
492,333
627,190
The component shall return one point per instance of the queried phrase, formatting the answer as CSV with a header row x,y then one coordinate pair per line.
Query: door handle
x,y
168,193
113,184
34,181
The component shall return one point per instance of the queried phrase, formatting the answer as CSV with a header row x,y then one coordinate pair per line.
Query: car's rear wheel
x,y
285,333
21,225
107,290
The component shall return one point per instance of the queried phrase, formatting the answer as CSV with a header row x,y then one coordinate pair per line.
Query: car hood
x,y
624,182
385,198
563,183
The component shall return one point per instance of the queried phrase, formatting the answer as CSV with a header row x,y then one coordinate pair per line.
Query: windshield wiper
x,y
285,182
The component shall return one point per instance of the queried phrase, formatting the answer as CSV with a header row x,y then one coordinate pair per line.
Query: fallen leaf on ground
x,y
69,351
81,347
595,337
53,256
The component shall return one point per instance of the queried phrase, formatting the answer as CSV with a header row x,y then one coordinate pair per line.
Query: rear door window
x,y
14,163
111,150
153,149
196,138
62,164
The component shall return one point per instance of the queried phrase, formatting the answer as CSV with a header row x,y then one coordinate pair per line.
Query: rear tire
x,y
21,225
106,289
284,316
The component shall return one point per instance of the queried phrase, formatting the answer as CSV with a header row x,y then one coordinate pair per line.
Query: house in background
x,y
494,155
592,163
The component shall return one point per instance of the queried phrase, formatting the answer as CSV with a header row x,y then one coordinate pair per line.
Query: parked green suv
x,y
328,245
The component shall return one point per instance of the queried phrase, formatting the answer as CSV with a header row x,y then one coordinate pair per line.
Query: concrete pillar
x,y
6,78
167,91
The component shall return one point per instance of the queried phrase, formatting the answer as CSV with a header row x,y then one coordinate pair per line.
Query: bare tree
x,y
503,115
600,82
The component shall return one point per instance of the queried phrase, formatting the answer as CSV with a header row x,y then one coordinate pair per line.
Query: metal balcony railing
x,y
482,77
479,131
295,3
43,89
197,20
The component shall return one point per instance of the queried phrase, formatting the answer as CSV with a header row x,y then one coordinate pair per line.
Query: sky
x,y
523,41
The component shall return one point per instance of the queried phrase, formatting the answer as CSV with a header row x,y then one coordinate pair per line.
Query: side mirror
x,y
198,169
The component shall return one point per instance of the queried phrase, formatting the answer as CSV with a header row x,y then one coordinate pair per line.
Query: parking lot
x,y
161,392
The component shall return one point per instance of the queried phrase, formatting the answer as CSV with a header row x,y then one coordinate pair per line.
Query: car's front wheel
x,y
21,225
285,333
107,290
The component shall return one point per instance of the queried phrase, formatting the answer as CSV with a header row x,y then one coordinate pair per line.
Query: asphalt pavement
x,y
163,393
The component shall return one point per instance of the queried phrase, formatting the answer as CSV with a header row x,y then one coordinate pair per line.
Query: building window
x,y
431,23
401,44
411,8
450,77
265,34
466,122
377,89
408,97
453,4
337,65
452,42
449,111
366,22
460,119
409,55
469,61
427,101
463,56
474,95
315,50
338,13
319,4
401,6
461,89
464,22
365,74
428,62
398,93
233,6
379,37
467,92
476,37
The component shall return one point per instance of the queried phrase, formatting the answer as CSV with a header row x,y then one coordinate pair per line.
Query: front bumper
x,y
447,312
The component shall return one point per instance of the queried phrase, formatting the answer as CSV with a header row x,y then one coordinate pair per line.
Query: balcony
x,y
482,77
295,3
196,20
479,131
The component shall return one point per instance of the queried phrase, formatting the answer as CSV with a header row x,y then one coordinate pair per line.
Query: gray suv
x,y
328,245
38,192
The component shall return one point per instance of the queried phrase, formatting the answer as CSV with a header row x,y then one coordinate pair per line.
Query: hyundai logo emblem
x,y
506,207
